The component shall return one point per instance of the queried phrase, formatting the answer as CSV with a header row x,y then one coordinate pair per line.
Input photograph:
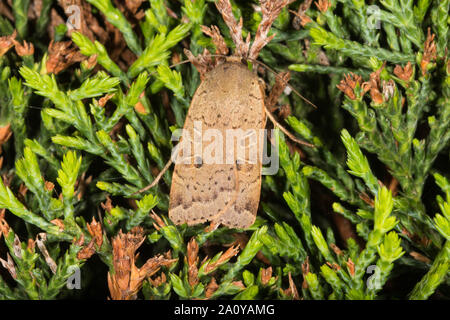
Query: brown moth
x,y
230,96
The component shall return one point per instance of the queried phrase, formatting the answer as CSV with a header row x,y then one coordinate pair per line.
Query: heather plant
x,y
91,91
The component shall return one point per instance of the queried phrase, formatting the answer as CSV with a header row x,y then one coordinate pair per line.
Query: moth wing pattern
x,y
230,97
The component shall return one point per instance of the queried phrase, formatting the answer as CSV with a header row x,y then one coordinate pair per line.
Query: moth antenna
x,y
285,131
172,66
262,64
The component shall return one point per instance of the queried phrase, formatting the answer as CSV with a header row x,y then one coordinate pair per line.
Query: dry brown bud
x,y
323,5
351,267
86,252
192,259
211,288
127,279
348,84
40,239
4,227
31,245
9,265
49,186
59,223
61,55
336,249
95,230
7,42
158,281
107,205
404,73
419,257
429,52
5,134
91,62
266,275
159,223
305,271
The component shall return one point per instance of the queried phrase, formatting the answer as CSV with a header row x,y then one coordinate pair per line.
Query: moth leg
x,y
270,102
163,171
157,179
284,130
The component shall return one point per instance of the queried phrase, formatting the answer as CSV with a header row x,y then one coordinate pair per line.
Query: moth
x,y
230,97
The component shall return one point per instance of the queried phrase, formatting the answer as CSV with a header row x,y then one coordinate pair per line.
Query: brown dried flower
x,y
323,5
59,223
211,288
266,275
351,267
49,186
139,107
40,239
158,281
348,84
9,265
107,205
86,252
429,52
305,271
192,259
31,245
95,230
5,134
4,227
61,55
159,223
292,290
373,85
336,249
419,257
27,49
404,73
227,255
91,62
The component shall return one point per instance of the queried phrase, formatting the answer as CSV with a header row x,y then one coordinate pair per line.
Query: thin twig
x,y
285,131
